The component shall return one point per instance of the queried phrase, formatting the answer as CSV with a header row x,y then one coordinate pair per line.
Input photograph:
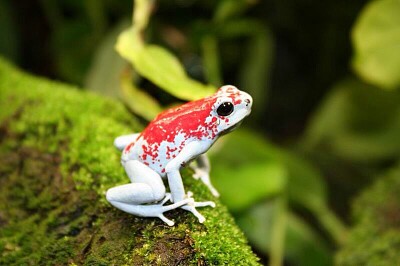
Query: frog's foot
x,y
162,208
199,204
204,176
189,195
191,206
197,173
147,210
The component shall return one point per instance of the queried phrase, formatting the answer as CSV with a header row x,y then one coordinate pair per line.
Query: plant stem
x,y
278,232
141,13
332,224
211,60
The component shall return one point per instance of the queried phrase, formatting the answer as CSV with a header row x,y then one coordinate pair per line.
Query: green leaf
x,y
357,122
303,246
137,100
244,171
104,74
242,186
229,8
160,67
376,39
236,161
306,186
244,148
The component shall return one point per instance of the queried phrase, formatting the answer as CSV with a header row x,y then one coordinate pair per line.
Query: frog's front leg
x,y
189,152
141,196
202,171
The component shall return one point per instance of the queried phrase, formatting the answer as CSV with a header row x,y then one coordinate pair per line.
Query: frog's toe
x,y
193,210
175,205
159,209
166,220
214,192
204,204
189,194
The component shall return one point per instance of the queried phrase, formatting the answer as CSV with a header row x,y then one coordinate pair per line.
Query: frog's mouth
x,y
232,128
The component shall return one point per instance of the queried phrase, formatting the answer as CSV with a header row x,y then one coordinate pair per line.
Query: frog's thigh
x,y
146,186
138,172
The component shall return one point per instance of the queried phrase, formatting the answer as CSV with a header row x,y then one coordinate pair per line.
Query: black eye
x,y
225,109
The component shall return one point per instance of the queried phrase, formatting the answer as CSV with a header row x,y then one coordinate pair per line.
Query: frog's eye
x,y
225,109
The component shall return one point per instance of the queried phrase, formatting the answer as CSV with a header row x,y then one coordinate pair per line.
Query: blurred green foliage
x,y
358,122
318,133
376,40
375,238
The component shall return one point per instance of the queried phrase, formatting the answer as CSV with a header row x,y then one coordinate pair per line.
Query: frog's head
x,y
231,107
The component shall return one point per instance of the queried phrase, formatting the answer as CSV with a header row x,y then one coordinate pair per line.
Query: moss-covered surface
x,y
56,162
375,238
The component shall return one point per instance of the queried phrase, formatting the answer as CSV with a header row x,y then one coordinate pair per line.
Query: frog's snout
x,y
249,102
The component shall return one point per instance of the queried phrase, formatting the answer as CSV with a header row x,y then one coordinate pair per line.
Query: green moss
x,y
56,162
375,238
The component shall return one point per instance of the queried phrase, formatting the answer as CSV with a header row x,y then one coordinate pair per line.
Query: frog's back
x,y
185,119
165,137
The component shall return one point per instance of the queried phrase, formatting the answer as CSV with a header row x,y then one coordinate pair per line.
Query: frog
x,y
175,138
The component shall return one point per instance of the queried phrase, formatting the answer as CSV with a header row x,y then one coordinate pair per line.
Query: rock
x,y
57,160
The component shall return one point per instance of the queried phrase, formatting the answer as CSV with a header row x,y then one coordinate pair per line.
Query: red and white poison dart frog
x,y
172,140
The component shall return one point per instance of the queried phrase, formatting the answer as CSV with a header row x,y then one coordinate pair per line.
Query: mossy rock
x,y
375,238
56,162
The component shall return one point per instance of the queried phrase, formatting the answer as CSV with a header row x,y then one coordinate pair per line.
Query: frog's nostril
x,y
247,101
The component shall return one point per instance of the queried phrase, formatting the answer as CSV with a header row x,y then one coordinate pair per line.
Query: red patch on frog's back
x,y
182,119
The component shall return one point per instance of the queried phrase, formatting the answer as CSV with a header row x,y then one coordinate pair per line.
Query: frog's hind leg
x,y
122,141
154,210
140,197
